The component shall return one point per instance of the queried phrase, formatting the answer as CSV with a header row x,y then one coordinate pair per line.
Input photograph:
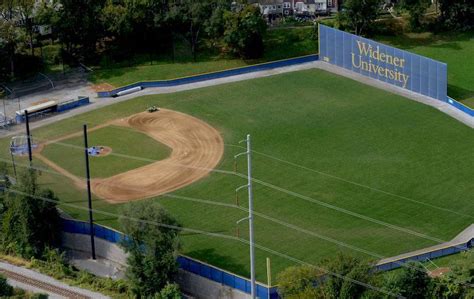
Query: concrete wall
x,y
103,248
201,287
190,283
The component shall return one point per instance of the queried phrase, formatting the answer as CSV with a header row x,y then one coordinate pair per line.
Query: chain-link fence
x,y
42,82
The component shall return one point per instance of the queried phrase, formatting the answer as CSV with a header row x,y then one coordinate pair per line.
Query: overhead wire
x,y
211,234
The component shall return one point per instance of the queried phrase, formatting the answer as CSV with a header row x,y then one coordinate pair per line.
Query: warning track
x,y
197,148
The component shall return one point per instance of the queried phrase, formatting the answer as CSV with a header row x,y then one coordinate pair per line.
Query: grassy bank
x,y
455,49
279,44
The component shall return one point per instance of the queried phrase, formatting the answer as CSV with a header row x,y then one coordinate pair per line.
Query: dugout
x,y
37,110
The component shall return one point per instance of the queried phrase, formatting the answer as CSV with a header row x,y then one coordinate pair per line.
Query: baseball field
x,y
338,166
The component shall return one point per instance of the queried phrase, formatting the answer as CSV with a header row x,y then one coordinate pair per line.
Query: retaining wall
x,y
197,278
206,281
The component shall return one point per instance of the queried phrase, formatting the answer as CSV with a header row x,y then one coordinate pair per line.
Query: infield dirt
x,y
197,148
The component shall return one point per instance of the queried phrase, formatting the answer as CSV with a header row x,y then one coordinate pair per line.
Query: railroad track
x,y
43,285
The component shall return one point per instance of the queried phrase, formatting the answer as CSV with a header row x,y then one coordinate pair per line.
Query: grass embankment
x,y
455,49
335,131
280,43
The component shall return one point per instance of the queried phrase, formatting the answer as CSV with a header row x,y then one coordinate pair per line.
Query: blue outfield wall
x,y
185,263
214,75
69,105
388,64
238,282
460,106
430,81
425,256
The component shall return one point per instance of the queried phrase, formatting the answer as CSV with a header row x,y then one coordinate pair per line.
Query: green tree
x,y
244,32
152,246
310,282
299,282
457,14
359,15
458,282
412,283
78,25
25,11
10,35
192,17
170,291
6,290
31,221
349,267
416,9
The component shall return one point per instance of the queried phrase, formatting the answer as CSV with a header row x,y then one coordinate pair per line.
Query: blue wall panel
x,y
235,281
388,64
215,75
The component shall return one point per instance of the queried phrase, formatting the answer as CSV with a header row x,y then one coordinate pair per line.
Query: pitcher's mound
x,y
99,151
196,147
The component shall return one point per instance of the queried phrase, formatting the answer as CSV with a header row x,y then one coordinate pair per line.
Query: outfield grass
x,y
123,141
338,131
455,49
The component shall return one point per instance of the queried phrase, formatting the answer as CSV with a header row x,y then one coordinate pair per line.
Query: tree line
x,y
359,16
346,277
30,227
87,30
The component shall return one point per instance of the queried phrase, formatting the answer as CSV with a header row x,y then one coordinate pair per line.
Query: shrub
x,y
52,54
5,288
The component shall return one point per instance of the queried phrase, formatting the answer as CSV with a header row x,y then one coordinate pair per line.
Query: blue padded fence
x,y
460,106
240,283
185,263
81,101
214,75
428,255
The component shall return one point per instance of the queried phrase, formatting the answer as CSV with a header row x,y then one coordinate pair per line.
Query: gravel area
x,y
41,278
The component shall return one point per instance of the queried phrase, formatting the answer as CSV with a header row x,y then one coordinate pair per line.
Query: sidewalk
x,y
102,102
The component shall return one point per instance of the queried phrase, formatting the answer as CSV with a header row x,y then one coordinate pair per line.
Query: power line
x,y
298,166
218,235
288,192
269,218
355,183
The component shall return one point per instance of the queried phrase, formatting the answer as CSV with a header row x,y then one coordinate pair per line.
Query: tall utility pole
x,y
28,136
89,195
250,217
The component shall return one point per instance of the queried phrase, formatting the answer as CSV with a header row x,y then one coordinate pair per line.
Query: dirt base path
x,y
196,147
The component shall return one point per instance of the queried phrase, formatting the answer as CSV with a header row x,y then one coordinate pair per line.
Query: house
x,y
269,7
292,7
310,7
